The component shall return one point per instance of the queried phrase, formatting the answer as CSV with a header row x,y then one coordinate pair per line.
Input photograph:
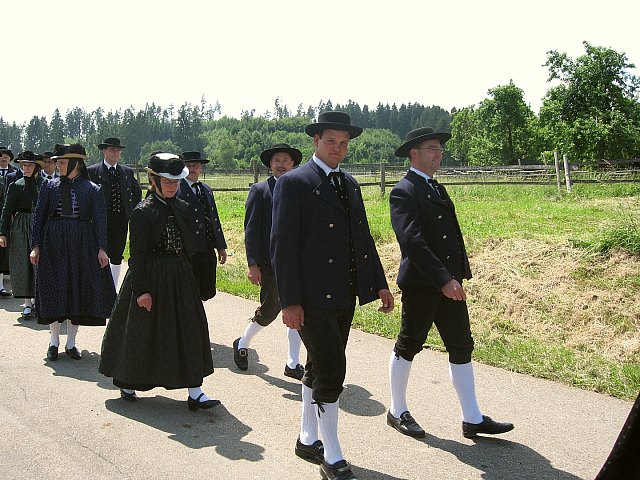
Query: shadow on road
x,y
211,428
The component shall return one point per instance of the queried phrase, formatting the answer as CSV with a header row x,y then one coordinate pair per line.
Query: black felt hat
x,y
419,135
194,157
167,165
296,155
47,154
333,121
74,150
110,142
29,157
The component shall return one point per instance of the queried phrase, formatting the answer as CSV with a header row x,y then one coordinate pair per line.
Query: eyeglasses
x,y
432,149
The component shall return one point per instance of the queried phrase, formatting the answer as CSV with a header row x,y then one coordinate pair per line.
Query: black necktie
x,y
337,179
200,193
434,184
4,172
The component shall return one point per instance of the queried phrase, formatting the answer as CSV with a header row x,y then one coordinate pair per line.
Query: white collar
x,y
422,174
109,166
325,168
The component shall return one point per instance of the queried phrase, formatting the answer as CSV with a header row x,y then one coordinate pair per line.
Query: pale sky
x,y
245,53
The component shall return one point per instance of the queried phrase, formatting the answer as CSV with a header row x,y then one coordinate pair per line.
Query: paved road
x,y
62,420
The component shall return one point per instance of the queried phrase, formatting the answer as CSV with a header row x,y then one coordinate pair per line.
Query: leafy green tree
x,y
36,136
158,145
56,133
594,111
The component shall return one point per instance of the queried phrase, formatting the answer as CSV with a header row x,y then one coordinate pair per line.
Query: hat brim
x,y
296,155
316,128
199,160
38,162
403,150
70,155
180,176
102,146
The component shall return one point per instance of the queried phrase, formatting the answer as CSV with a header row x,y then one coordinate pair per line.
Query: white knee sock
x,y
328,424
1,281
463,382
194,392
54,334
72,331
294,347
115,273
253,328
399,369
309,420
28,303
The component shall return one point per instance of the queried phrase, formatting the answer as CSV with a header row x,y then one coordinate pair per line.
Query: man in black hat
x,y
122,193
209,236
280,158
433,266
49,169
324,257
6,156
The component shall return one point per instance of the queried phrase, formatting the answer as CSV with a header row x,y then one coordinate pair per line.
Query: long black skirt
x,y
167,347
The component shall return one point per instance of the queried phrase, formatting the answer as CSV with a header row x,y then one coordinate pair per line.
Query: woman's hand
x,y
145,301
34,256
3,241
103,258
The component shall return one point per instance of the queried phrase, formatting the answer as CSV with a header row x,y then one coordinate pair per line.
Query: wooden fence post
x,y
556,158
382,178
567,173
255,171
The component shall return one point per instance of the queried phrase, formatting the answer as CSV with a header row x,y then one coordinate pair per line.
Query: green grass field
x,y
556,278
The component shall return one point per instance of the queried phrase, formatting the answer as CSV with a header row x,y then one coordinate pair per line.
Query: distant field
x,y
553,295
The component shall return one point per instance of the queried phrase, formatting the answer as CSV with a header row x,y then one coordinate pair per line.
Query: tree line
x,y
590,112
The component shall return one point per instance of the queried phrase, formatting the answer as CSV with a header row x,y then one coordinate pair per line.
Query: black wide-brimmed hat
x,y
419,135
47,154
194,157
167,165
333,121
110,142
29,157
74,150
296,155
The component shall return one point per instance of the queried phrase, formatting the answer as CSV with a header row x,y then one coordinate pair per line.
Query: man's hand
x,y
3,241
222,256
454,290
254,275
293,316
387,301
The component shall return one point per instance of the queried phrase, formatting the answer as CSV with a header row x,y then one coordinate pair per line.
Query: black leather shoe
x,y
296,373
4,293
313,453
129,397
194,405
338,471
240,356
488,426
52,353
73,352
405,425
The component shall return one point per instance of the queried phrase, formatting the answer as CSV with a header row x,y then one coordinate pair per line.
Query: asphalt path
x,y
63,420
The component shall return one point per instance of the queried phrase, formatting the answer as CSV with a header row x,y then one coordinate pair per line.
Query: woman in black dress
x,y
158,334
69,241
16,226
